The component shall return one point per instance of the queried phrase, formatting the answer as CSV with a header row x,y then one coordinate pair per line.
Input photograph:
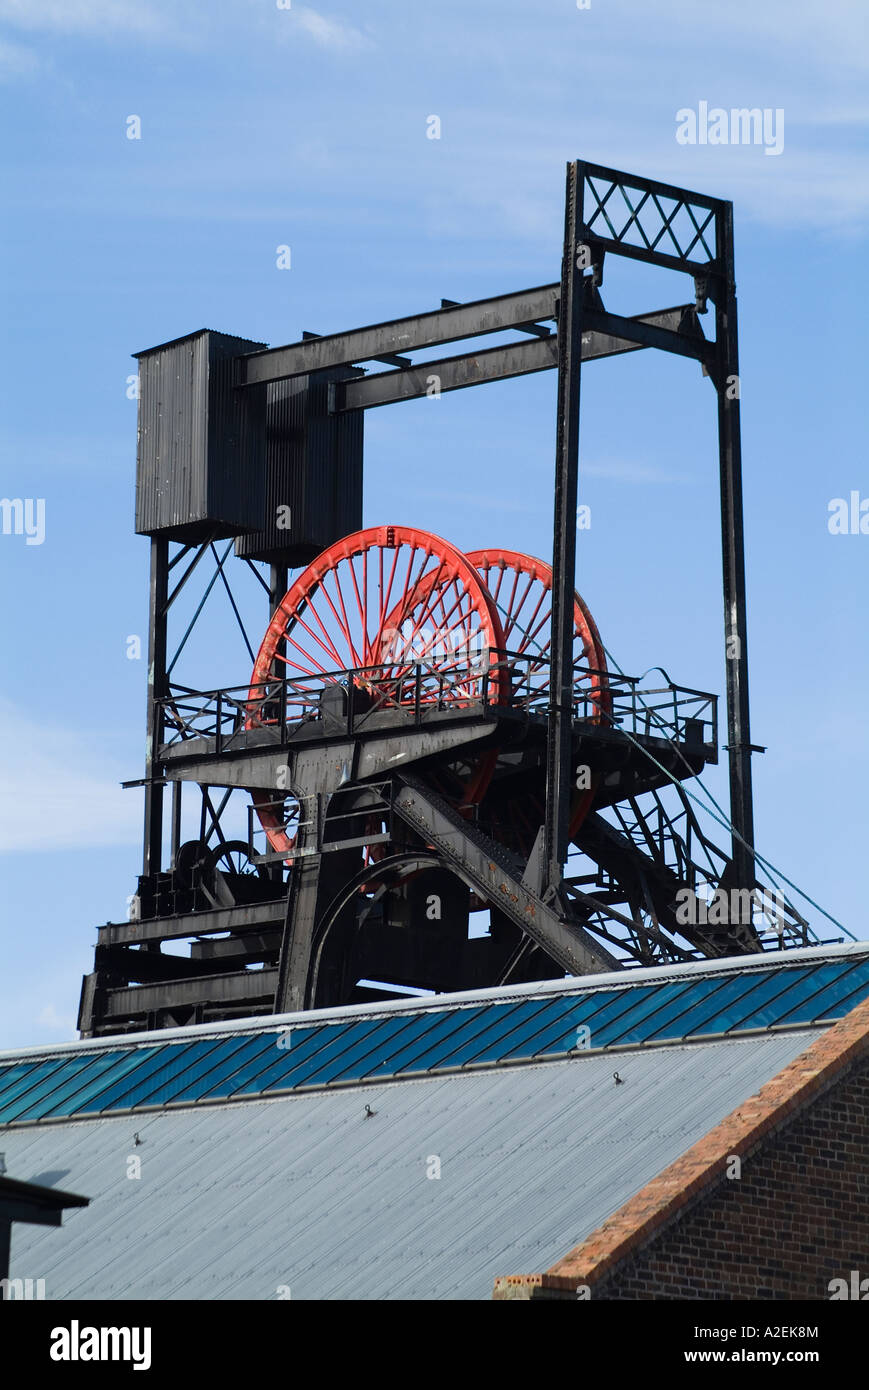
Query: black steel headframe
x,y
610,212
274,916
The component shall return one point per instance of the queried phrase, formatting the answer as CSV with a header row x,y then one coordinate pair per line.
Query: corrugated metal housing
x,y
313,474
201,457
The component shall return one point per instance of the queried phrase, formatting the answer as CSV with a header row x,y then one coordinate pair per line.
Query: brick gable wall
x,y
797,1217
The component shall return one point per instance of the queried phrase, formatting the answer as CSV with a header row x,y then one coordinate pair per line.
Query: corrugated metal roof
x,y
378,1043
188,337
305,1191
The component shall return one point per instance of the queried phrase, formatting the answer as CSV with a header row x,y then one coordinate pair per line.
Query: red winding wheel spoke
x,y
316,638
525,613
444,641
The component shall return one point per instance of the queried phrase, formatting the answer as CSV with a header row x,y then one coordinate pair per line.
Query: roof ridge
x,y
610,980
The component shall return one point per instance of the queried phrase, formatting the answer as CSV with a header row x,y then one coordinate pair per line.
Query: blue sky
x,y
306,126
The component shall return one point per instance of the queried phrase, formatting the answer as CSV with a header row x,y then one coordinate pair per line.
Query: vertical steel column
x,y
152,858
5,1245
733,555
176,824
558,748
277,585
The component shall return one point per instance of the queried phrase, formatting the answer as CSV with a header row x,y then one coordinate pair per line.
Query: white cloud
x,y
773,37
818,181
614,100
50,1019
16,60
500,163
99,17
819,35
160,18
55,793
329,33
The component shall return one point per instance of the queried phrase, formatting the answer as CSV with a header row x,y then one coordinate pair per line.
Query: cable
x,y
722,819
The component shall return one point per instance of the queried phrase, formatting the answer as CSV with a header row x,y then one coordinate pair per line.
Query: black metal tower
x,y
395,796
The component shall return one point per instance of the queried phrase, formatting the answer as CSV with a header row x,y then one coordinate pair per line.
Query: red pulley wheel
x,y
380,605
521,589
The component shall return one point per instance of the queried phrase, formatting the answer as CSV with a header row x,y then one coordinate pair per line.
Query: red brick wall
x,y
797,1218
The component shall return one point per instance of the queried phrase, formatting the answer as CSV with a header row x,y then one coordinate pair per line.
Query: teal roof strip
x,y
265,1058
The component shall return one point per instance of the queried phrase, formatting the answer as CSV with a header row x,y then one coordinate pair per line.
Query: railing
x,y
303,821
670,712
345,702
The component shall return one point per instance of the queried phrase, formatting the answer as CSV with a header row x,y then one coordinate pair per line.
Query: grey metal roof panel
x,y
238,1198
